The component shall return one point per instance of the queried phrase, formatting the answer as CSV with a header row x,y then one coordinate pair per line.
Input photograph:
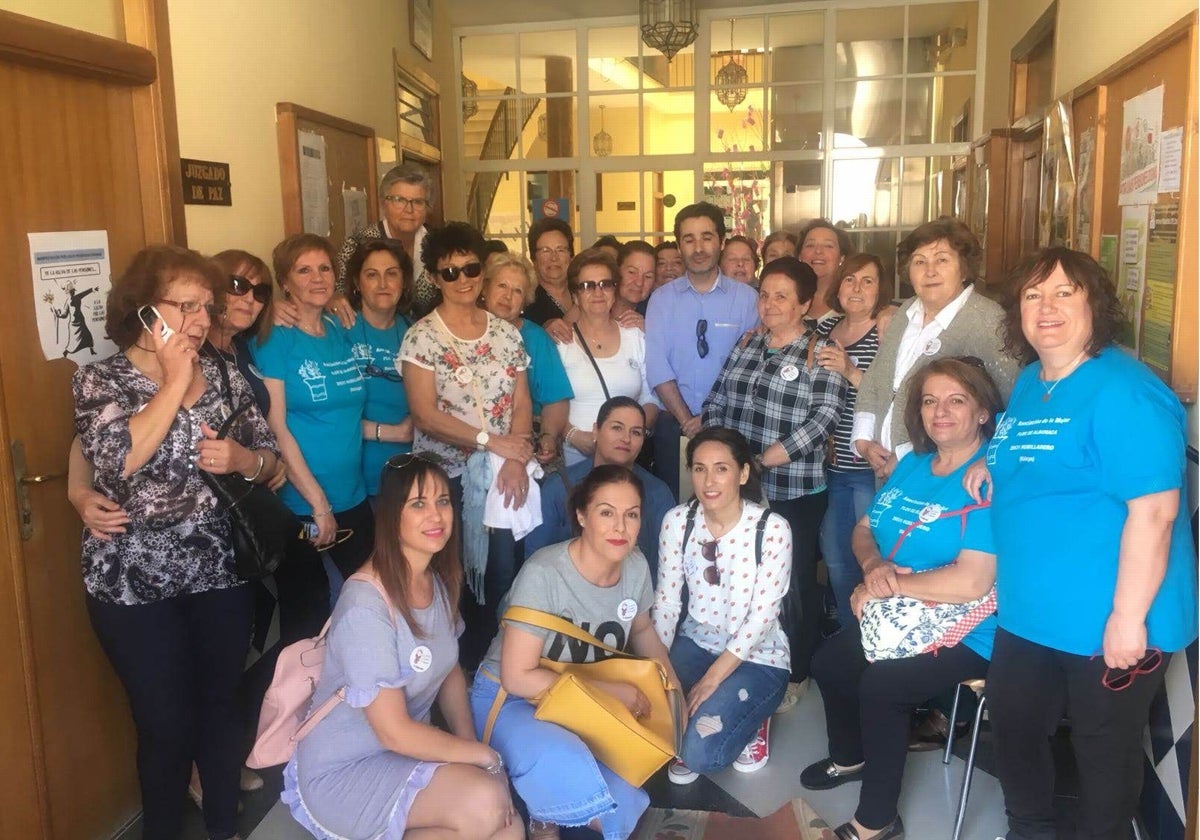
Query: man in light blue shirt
x,y
692,324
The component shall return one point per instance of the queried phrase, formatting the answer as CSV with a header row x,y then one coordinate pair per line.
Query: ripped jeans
x,y
727,721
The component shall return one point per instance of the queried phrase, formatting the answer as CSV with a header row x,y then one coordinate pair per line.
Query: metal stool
x,y
980,689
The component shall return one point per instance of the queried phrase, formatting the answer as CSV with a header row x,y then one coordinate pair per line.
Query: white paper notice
x,y
1139,148
355,202
1131,276
71,278
1170,160
314,183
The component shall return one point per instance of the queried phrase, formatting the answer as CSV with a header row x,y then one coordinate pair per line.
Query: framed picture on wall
x,y
420,26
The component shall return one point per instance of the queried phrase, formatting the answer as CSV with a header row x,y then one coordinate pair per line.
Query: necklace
x,y
1069,370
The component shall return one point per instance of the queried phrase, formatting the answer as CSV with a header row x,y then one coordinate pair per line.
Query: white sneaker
x,y
681,774
792,696
755,755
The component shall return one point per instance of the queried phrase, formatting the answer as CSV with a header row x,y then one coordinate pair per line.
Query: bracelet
x,y
571,430
497,767
377,433
257,472
317,513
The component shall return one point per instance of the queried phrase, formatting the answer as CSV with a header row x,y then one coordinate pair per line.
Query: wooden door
x,y
84,146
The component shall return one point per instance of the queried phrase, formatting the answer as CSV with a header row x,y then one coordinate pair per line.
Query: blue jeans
x,y
738,717
850,494
553,771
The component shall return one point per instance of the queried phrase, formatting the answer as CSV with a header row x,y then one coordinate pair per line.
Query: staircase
x,y
496,141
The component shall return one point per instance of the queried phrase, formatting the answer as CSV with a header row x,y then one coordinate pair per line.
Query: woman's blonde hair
x,y
497,262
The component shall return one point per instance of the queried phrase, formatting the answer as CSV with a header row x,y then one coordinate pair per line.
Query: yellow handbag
x,y
632,748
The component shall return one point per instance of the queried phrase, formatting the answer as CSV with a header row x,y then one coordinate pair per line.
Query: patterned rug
x,y
796,820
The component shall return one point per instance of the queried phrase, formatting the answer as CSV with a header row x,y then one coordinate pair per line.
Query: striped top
x,y
862,352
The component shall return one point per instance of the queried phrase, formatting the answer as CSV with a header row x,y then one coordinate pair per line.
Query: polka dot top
x,y
736,607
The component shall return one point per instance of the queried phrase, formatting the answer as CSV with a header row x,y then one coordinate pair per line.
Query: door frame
x,y
143,63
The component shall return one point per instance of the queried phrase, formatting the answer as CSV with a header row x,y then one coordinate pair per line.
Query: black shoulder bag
x,y
261,526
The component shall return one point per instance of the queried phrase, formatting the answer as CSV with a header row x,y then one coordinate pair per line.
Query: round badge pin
x,y
463,375
420,659
929,513
789,373
932,346
627,609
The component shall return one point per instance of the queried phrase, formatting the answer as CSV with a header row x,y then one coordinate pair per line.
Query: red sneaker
x,y
756,753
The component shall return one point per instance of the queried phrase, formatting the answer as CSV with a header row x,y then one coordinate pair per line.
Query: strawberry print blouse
x,y
736,607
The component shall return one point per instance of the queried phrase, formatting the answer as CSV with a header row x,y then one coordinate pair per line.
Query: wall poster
x,y
1139,148
71,278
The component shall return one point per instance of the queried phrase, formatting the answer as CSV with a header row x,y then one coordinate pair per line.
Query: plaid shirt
x,y
779,398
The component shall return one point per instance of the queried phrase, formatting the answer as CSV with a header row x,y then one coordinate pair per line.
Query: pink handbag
x,y
282,723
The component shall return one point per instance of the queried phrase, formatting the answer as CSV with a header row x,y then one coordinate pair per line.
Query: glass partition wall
x,y
855,114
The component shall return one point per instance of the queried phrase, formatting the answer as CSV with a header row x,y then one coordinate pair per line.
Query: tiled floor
x,y
928,800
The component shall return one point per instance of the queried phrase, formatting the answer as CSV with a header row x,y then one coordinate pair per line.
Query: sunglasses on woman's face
x,y
239,286
450,273
596,285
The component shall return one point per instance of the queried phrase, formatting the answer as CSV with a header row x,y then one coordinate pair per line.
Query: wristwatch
x,y
481,441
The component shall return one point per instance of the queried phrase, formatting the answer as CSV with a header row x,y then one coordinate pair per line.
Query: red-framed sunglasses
x,y
1119,679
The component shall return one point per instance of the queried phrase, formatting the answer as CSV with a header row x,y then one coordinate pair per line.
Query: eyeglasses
x,y
450,273
701,340
596,285
1119,679
406,203
712,572
189,307
382,373
239,286
547,251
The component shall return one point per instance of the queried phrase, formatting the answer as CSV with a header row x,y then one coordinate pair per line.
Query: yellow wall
x,y
234,60
1090,36
100,17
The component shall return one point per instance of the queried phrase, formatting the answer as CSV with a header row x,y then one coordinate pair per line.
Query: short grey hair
x,y
409,173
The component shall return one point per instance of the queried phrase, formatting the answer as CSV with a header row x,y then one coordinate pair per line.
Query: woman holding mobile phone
x,y
163,599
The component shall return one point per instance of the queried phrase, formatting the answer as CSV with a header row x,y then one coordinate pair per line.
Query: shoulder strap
x,y
693,506
378,584
583,343
548,621
759,530
961,512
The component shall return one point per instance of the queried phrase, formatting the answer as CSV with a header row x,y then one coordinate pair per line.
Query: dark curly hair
x,y
964,243
453,238
354,267
1084,273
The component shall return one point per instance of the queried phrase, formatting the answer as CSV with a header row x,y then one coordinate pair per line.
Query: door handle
x,y
24,507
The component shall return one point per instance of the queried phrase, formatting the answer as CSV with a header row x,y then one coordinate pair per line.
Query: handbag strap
x,y
227,390
592,359
547,621
321,712
759,529
962,512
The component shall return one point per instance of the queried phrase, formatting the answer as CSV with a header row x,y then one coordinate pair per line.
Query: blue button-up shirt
x,y
675,308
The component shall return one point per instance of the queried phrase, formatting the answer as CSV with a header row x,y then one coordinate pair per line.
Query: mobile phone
x,y
150,316
309,531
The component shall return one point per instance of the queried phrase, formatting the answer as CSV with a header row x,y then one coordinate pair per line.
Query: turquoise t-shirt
x,y
914,493
325,397
548,381
1064,469
375,351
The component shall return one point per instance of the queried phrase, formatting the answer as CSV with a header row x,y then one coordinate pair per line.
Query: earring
x,y
983,419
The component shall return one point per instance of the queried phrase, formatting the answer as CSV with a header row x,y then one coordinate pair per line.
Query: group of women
x,y
410,450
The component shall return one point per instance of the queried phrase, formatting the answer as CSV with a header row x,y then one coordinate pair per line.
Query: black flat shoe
x,y
824,775
894,831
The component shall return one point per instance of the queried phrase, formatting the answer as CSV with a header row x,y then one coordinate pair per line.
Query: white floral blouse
x,y
464,368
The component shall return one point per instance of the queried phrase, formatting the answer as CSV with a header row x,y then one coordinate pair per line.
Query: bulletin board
x,y
1133,131
327,172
